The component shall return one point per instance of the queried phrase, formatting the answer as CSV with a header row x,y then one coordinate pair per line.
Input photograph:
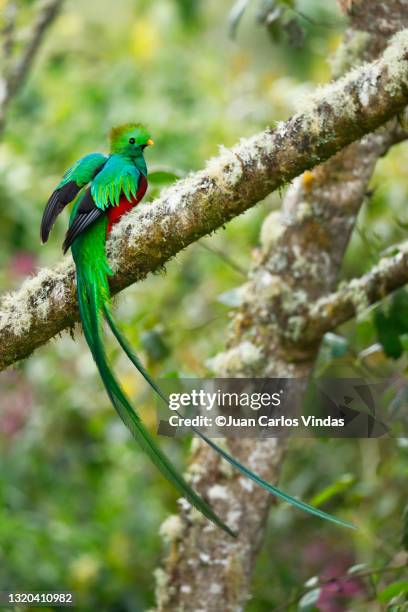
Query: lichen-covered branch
x,y
232,182
302,248
15,72
350,299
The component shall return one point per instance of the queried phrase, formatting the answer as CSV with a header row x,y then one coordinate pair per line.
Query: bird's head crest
x,y
130,139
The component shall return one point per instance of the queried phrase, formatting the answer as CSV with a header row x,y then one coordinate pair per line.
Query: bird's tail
x,y
93,299
236,464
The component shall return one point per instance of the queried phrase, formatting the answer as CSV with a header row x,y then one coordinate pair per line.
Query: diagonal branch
x,y
142,242
7,31
350,299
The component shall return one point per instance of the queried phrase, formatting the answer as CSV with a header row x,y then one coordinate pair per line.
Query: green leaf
x,y
189,10
401,222
164,176
295,33
171,374
342,484
404,341
393,590
392,325
154,345
399,310
388,334
308,601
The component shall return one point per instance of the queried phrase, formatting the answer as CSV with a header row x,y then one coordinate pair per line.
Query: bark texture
x,y
390,274
302,250
237,179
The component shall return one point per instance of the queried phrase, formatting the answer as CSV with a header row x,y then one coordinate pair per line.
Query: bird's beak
x,y
150,142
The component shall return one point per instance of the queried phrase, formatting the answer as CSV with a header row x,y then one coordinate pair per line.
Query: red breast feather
x,y
115,213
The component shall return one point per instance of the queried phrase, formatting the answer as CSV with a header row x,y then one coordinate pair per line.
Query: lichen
x,y
272,229
395,58
233,518
196,469
304,210
368,91
218,492
337,95
215,588
295,328
357,295
226,169
246,484
260,456
244,354
204,558
266,287
293,299
34,300
172,528
164,589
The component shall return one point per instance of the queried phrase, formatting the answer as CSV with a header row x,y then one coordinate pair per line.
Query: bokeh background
x,y
80,506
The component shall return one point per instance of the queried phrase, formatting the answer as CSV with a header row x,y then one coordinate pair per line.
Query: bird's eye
x,y
132,141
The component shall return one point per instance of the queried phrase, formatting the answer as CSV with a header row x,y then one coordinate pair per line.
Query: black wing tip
x,y
69,239
86,215
45,230
56,203
44,234
50,213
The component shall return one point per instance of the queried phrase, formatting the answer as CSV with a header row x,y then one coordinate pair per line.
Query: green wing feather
x,y
83,170
81,173
117,176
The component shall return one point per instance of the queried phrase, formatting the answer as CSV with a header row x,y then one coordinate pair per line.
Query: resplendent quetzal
x,y
117,183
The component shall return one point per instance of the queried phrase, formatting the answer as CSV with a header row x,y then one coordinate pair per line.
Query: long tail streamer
x,y
94,300
236,464
88,306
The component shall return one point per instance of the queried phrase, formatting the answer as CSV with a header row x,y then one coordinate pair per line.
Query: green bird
x,y
117,183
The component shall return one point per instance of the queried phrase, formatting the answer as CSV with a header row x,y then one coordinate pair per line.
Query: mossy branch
x,y
237,179
350,299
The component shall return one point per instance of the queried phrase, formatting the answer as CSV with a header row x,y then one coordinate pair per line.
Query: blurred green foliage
x,y
80,505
